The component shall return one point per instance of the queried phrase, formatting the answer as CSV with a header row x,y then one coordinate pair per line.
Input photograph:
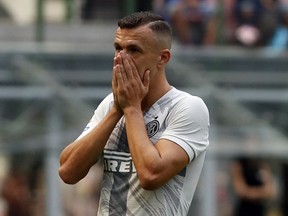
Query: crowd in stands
x,y
251,23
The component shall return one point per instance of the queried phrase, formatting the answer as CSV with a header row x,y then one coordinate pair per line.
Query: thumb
x,y
146,78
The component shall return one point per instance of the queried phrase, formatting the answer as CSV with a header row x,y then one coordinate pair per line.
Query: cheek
x,y
141,67
145,64
144,68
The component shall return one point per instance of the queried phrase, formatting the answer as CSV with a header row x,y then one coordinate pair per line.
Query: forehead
x,y
135,35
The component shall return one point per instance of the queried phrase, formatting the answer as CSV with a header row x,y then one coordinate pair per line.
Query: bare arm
x,y
155,164
266,191
78,157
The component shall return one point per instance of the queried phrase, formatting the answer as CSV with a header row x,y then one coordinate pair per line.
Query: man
x,y
254,186
152,137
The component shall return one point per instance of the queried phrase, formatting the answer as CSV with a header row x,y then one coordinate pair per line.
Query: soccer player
x,y
150,136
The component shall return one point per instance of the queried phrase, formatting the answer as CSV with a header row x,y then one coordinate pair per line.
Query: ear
x,y
164,57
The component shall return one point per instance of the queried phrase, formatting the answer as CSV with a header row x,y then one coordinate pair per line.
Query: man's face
x,y
140,43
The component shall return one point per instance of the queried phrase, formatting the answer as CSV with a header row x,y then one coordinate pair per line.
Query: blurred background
x,y
56,59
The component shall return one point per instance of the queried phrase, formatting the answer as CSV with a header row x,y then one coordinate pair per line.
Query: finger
x,y
114,79
134,69
120,75
123,72
146,78
115,61
126,65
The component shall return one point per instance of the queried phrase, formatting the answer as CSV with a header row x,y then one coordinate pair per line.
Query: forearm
x,y
146,157
260,193
266,191
78,157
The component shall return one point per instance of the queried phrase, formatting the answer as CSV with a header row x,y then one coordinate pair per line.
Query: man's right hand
x,y
115,86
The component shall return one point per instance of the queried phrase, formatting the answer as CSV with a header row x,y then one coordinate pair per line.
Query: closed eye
x,y
130,49
133,49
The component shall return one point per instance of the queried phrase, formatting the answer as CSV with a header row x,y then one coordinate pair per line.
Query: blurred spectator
x,y
269,20
88,10
253,185
15,191
164,8
279,40
191,19
247,15
227,21
255,21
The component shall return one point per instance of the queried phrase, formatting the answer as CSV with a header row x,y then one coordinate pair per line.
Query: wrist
x,y
116,111
132,111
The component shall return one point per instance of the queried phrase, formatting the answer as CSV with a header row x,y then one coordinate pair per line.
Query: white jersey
x,y
177,116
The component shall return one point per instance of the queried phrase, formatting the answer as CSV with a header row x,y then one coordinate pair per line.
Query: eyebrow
x,y
129,46
134,46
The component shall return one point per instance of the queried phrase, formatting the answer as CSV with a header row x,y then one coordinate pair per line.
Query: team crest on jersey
x,y
152,127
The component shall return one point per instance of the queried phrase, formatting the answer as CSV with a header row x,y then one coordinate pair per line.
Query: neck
x,y
156,91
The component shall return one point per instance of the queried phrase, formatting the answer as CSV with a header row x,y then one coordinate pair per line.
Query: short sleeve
x,y
188,126
99,114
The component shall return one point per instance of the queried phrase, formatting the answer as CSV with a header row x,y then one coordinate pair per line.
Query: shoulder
x,y
106,103
188,97
190,104
103,108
